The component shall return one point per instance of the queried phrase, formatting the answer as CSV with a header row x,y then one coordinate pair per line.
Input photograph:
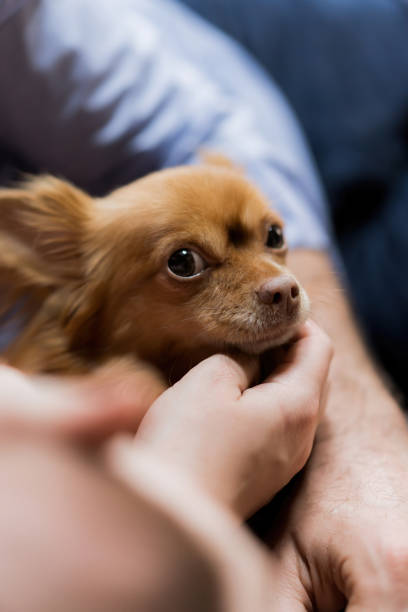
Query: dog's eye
x,y
275,239
186,263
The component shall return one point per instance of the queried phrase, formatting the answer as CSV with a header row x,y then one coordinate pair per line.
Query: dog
x,y
167,270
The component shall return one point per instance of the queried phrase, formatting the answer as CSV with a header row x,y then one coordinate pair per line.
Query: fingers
x,y
113,399
290,400
307,359
125,390
231,374
303,370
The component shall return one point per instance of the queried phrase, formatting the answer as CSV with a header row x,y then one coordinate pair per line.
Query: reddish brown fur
x,y
93,272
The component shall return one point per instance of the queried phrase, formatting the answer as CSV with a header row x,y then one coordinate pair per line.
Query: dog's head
x,y
173,267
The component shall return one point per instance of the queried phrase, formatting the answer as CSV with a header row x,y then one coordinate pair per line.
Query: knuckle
x,y
396,559
327,344
302,456
330,352
299,446
300,429
306,412
303,421
311,394
312,410
326,347
218,367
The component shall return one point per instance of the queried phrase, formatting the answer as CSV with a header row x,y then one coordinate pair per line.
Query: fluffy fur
x,y
91,277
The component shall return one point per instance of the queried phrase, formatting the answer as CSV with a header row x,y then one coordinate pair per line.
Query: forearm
x,y
345,532
357,388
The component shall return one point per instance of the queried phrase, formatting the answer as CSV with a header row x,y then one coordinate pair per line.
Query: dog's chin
x,y
258,346
275,338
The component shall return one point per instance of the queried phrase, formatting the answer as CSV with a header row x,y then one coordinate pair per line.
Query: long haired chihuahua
x,y
176,266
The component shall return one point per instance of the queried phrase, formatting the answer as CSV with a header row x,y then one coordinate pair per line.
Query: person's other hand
x,y
345,532
112,399
242,444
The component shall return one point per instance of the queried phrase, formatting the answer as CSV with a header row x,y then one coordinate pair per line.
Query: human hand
x,y
113,398
242,444
345,533
67,496
45,474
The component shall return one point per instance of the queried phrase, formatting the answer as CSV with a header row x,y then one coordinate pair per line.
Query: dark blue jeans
x,y
343,66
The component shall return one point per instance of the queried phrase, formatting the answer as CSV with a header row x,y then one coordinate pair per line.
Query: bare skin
x,y
345,538
242,445
74,538
84,542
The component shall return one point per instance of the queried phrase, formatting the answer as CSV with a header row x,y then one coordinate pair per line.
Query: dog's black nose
x,y
282,292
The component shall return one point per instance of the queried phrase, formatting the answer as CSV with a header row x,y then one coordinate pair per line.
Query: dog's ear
x,y
42,228
212,158
42,232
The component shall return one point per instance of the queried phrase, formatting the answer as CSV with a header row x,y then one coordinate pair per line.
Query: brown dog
x,y
176,266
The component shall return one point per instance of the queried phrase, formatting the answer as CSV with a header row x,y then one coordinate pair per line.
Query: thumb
x,y
221,372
